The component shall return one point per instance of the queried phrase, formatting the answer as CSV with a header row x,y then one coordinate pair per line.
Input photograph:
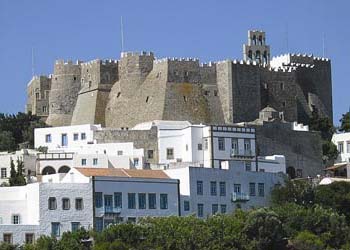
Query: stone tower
x,y
38,91
65,87
256,49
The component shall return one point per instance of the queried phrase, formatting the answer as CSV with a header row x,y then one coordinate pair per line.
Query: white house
x,y
342,141
128,195
206,191
28,157
27,212
180,142
64,137
106,155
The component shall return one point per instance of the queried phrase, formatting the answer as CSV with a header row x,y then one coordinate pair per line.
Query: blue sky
x,y
208,30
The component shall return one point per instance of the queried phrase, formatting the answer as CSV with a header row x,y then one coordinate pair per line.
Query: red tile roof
x,y
120,172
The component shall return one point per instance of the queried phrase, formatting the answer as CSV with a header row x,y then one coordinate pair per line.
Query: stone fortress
x,y
138,88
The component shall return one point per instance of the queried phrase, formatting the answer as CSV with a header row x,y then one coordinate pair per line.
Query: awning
x,y
337,166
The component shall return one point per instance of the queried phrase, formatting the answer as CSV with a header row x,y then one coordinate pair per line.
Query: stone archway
x,y
63,170
48,170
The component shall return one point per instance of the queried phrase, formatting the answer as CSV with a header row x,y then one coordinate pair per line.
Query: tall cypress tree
x,y
13,174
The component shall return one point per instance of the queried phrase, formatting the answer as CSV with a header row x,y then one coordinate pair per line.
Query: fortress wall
x,y
303,150
246,99
146,139
183,70
224,83
65,87
279,89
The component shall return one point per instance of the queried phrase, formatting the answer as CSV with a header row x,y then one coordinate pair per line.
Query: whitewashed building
x,y
342,141
27,156
106,155
27,212
207,191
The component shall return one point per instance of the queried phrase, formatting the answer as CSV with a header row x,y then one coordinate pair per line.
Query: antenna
x,y
122,32
33,72
286,41
323,46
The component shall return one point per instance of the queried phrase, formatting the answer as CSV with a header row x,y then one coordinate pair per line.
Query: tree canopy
x,y
345,122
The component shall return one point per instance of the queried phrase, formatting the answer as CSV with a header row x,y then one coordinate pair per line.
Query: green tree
x,y
6,246
300,192
7,141
306,240
13,174
264,230
345,122
336,196
17,177
325,127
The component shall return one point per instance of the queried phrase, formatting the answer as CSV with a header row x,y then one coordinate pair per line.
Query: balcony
x,y
245,154
237,197
56,156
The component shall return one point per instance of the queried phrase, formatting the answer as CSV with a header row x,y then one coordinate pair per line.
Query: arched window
x,y
265,57
250,55
260,40
63,169
48,170
257,55
254,40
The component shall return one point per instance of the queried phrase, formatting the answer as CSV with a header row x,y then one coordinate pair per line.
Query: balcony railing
x,y
112,210
244,154
240,197
56,156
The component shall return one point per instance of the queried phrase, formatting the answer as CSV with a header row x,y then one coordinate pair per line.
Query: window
x,y
74,78
52,203
48,138
348,146
83,162
75,136
200,208
79,204
64,140
206,144
248,166
252,189
8,238
341,147
199,187
261,189
186,206
131,200
284,104
282,86
214,208
136,162
37,96
152,201
95,161
83,136
3,173
223,208
44,109
98,199
247,147
108,203
65,204
147,98
186,147
237,188
215,93
163,201
234,146
213,188
299,173
200,146
98,224
222,188
75,226
29,238
15,219
55,229
150,154
221,143
142,201
170,153
120,152
118,199
132,219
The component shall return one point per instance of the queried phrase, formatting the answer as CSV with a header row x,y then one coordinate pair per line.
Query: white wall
x,y
109,185
56,135
272,164
342,138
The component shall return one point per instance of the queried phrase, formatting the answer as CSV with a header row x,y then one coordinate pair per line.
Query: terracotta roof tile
x,y
120,172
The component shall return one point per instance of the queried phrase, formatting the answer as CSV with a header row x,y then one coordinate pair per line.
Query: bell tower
x,y
256,49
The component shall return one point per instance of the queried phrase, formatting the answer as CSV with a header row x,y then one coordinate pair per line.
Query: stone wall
x,y
303,150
